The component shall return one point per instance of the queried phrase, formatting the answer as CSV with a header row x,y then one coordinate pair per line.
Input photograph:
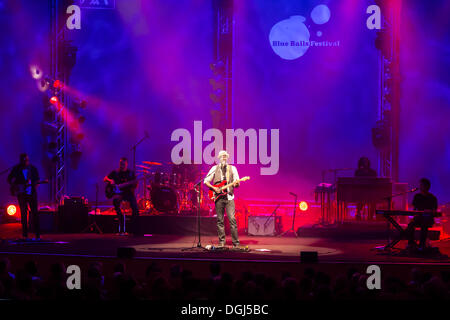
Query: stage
x,y
265,252
315,130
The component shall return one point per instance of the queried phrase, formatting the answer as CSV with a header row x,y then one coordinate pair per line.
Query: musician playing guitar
x,y
218,173
23,180
121,176
423,201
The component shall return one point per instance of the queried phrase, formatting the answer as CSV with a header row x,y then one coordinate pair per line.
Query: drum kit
x,y
169,188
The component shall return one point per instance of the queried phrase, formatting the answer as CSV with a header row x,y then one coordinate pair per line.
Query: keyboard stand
x,y
391,243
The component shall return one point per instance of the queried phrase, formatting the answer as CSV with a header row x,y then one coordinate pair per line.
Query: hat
x,y
223,152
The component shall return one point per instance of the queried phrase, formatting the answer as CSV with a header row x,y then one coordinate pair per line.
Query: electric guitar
x,y
223,189
17,188
114,189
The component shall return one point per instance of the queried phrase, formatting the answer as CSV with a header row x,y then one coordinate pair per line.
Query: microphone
x,y
292,194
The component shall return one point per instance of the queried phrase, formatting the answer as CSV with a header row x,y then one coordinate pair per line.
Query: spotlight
x,y
76,137
54,100
57,84
303,205
42,85
11,210
75,158
216,83
217,68
36,72
83,104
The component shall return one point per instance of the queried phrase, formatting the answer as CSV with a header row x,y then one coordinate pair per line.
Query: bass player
x,y
121,176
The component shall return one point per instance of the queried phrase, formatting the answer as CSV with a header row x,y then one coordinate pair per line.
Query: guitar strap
x,y
228,176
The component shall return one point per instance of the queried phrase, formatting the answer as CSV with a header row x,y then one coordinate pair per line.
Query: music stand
x,y
93,227
293,218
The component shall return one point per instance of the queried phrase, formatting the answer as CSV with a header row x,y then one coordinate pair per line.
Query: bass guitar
x,y
115,189
223,186
17,188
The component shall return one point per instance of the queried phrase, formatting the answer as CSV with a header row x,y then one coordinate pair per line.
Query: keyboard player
x,y
423,201
364,170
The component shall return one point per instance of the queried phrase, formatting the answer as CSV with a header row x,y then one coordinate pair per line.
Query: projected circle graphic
x,y
286,38
289,38
320,14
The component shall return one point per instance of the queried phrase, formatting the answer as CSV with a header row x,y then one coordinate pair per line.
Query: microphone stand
x,y
134,150
273,214
94,226
199,242
293,218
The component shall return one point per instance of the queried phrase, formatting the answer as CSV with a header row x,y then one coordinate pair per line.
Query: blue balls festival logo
x,y
290,38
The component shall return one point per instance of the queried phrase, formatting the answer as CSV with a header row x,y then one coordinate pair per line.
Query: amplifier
x,y
264,225
73,215
75,201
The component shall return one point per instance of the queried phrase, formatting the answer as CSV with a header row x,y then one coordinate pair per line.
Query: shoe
x,y
221,245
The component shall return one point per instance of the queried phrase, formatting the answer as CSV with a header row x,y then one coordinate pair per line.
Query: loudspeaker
x,y
309,257
126,252
264,225
73,217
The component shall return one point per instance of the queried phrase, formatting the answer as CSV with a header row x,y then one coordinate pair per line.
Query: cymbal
x,y
152,163
141,166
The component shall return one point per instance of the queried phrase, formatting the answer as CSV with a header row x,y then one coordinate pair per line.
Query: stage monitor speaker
x,y
73,216
264,225
309,257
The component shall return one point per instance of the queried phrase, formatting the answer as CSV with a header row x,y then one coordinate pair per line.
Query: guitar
x,y
223,189
17,188
114,189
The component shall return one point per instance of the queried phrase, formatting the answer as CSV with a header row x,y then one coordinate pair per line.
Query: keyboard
x,y
407,213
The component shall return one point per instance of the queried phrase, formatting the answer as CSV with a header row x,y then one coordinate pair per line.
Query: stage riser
x,y
369,230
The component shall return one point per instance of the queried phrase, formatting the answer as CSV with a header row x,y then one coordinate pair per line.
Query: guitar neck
x,y
230,184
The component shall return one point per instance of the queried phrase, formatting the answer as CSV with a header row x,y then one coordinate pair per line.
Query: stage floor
x,y
283,249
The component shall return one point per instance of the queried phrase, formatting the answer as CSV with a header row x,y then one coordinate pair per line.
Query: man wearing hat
x,y
218,173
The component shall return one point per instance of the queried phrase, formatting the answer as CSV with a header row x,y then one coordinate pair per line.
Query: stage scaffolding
x,y
389,98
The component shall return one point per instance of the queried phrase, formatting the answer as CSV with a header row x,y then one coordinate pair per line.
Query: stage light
x,y
218,96
217,83
303,205
75,157
36,72
42,85
54,100
78,137
11,210
217,68
57,84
